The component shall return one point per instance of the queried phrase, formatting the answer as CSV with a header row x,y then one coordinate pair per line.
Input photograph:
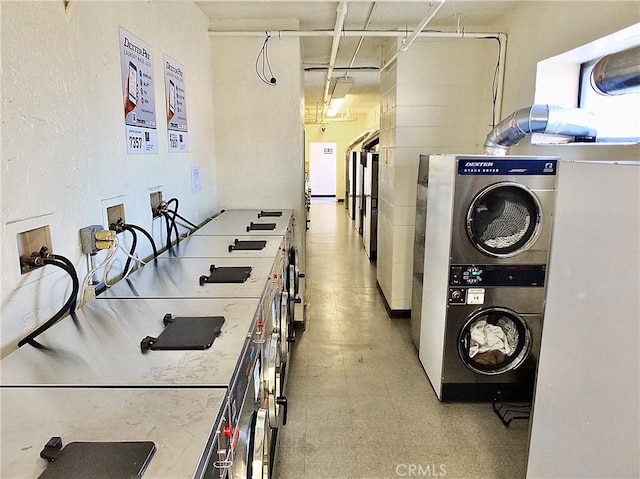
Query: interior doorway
x,y
322,170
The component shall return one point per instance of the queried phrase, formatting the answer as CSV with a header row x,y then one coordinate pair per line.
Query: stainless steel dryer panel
x,y
179,278
102,348
180,422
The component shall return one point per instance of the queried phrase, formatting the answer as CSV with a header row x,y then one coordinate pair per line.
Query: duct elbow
x,y
546,119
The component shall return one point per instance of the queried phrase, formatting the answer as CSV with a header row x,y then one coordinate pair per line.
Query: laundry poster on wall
x,y
177,129
136,60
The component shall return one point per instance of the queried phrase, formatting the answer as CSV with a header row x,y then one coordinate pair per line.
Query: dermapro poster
x,y
176,106
139,105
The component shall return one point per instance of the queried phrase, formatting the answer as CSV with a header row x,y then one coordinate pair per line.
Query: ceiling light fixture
x,y
340,90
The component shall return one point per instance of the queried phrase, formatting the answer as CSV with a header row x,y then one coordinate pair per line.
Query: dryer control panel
x,y
497,275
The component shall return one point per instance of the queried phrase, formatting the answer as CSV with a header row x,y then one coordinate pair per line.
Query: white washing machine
x,y
112,432
251,223
170,277
231,246
276,223
276,295
103,346
488,227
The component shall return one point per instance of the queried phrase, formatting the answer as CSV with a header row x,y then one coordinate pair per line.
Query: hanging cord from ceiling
x,y
265,74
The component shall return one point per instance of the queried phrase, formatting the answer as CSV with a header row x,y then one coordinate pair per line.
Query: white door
x,y
323,169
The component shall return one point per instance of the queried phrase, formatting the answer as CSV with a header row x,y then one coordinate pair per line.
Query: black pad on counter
x,y
247,245
226,274
265,214
261,226
96,460
185,333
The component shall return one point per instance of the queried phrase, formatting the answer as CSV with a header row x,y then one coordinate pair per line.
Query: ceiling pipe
x,y
347,33
408,41
337,32
502,37
366,25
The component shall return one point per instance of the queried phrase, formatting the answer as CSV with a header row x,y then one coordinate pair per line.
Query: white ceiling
x,y
321,15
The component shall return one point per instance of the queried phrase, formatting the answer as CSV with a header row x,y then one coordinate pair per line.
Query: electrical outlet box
x,y
115,213
88,238
156,201
30,242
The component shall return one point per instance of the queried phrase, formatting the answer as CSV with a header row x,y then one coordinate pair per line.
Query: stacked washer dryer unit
x,y
487,239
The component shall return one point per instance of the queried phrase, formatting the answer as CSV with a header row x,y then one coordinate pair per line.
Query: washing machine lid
x,y
504,219
494,341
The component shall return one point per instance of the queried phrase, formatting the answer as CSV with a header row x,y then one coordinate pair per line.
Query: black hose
x,y
186,221
130,227
167,222
172,200
72,272
175,212
174,226
134,243
66,265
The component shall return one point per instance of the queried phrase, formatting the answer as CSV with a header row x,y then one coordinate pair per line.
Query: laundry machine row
x,y
101,350
266,224
487,235
110,343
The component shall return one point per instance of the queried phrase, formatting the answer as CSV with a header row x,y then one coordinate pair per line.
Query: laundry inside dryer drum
x,y
504,220
494,341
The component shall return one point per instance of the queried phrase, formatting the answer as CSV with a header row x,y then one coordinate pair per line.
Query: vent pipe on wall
x,y
618,73
548,119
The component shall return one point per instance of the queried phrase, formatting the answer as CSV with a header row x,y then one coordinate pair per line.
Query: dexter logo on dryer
x,y
478,167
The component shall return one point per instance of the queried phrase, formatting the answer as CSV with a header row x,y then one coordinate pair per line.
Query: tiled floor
x,y
360,404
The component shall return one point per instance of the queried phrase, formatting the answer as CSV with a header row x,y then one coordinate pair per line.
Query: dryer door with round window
x,y
504,220
494,341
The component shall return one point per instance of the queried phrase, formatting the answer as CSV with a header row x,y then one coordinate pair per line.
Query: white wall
x,y
435,99
259,128
63,144
539,30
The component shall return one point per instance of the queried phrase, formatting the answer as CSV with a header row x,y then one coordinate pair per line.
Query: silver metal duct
x,y
549,119
618,73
